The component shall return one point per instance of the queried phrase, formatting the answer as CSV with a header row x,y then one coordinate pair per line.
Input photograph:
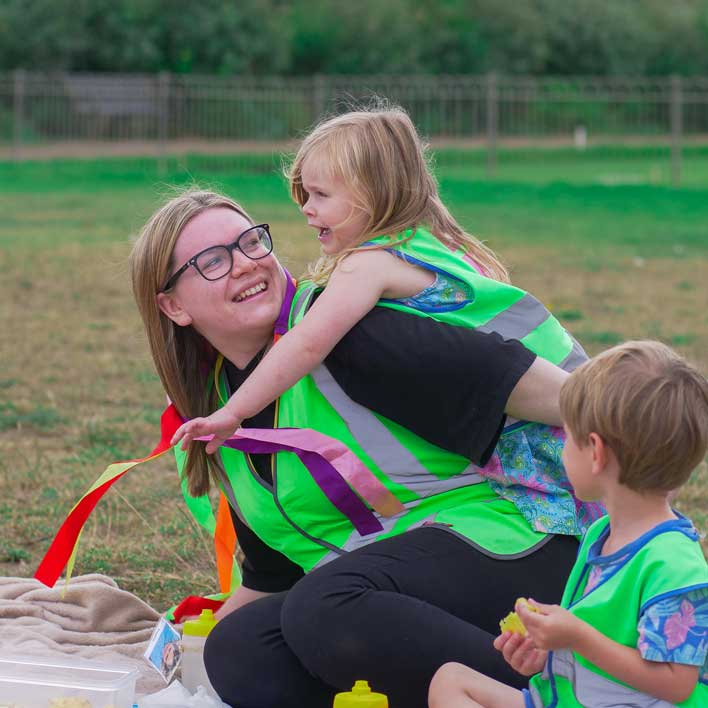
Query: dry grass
x,y
77,389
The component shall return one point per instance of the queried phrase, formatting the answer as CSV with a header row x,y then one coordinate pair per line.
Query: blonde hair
x,y
379,155
649,405
182,357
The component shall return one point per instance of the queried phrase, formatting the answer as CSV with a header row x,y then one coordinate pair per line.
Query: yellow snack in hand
x,y
512,622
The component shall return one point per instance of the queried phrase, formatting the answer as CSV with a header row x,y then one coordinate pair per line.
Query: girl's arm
x,y
536,395
555,628
354,288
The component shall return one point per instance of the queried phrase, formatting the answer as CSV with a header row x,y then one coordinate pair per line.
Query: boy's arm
x,y
555,628
521,653
354,288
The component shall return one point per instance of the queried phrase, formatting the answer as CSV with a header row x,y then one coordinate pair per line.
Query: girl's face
x,y
242,305
330,209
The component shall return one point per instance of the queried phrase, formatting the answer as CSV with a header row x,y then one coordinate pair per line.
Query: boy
x,y
633,622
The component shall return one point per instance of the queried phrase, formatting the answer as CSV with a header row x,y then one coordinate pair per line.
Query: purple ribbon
x,y
326,475
281,324
339,493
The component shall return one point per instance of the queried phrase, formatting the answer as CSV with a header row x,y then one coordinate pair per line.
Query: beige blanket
x,y
95,620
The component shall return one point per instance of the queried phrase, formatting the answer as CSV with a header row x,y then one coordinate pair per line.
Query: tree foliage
x,y
601,37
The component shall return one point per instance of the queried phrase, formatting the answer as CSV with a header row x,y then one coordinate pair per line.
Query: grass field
x,y
606,243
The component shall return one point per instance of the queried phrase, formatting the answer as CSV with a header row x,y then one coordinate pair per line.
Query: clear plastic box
x,y
32,682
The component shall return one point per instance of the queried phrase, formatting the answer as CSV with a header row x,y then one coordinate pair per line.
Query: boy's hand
x,y
551,627
222,424
521,653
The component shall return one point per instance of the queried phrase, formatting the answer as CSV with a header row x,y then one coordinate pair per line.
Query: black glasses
x,y
217,261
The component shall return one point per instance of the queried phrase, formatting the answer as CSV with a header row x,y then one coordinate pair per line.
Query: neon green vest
x,y
667,563
435,486
492,306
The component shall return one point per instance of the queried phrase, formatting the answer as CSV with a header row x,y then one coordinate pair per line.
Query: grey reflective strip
x,y
519,319
230,496
302,299
592,689
391,457
356,541
576,357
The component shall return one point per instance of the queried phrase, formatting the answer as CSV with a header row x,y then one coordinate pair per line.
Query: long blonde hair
x,y
379,155
183,358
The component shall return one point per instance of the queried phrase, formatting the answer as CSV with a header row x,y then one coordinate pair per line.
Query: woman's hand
x,y
222,424
521,653
551,627
241,596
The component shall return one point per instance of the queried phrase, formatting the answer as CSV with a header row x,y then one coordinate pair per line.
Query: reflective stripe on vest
x,y
492,306
589,688
356,541
576,357
519,319
383,447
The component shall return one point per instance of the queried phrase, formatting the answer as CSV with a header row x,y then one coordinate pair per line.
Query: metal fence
x,y
252,112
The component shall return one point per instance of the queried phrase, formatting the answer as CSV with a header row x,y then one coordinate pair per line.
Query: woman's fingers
x,y
179,434
189,430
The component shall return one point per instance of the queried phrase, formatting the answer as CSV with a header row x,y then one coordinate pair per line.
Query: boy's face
x,y
578,463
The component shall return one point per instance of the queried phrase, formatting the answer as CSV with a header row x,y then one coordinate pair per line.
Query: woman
x,y
335,589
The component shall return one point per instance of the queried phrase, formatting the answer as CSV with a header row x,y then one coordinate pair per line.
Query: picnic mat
x,y
95,620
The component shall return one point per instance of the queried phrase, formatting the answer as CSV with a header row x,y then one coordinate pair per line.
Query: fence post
x,y
319,96
676,129
163,113
492,123
18,100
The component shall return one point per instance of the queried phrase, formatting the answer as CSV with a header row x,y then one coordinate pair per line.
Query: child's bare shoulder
x,y
369,260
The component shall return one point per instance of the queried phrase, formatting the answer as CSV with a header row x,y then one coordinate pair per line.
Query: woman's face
x,y
244,303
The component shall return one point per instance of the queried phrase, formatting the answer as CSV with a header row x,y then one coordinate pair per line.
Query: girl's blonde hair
x,y
183,358
379,155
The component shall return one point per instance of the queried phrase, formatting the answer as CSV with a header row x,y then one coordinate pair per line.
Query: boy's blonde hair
x,y
379,155
649,405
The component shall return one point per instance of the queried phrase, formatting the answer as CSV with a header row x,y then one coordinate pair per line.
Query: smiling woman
x,y
406,557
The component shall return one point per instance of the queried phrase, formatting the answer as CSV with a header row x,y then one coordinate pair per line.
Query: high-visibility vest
x,y
432,486
492,306
668,561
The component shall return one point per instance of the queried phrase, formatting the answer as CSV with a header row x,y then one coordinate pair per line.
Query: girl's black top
x,y
447,384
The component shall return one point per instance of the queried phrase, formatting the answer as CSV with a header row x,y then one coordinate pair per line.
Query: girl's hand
x,y
521,653
551,627
222,424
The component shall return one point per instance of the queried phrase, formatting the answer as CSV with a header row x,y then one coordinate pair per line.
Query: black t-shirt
x,y
447,384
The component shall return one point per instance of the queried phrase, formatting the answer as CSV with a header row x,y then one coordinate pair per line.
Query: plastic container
x,y
194,634
32,682
361,696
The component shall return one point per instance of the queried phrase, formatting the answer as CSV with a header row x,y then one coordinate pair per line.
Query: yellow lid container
x,y
361,696
201,626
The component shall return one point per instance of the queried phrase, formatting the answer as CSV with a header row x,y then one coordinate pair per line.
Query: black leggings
x,y
392,613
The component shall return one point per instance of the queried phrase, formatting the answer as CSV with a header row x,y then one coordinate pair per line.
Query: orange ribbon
x,y
62,551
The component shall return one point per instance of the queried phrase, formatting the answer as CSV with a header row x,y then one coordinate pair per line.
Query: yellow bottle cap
x,y
201,626
361,696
